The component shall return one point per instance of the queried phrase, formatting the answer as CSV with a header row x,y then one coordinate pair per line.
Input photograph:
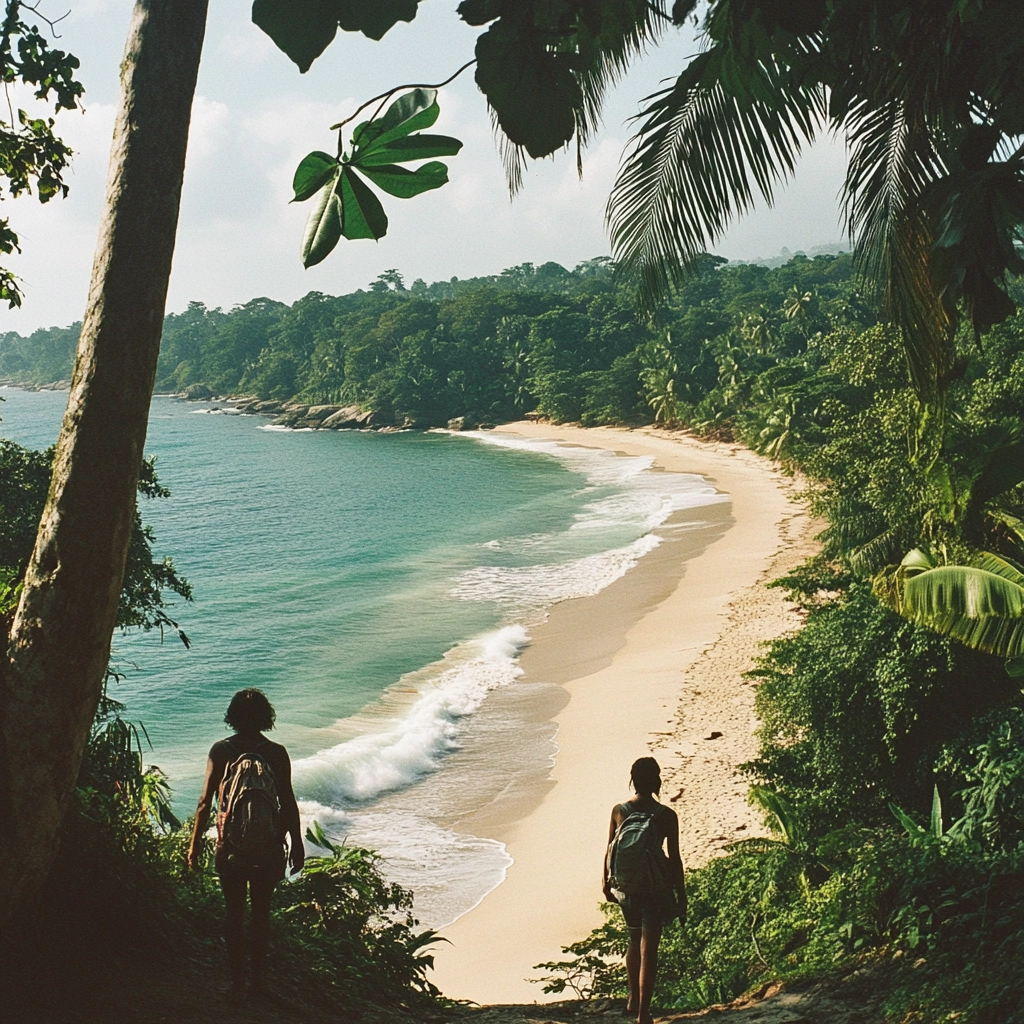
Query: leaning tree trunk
x,y
60,639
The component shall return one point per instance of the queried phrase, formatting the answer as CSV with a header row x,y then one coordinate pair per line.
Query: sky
x,y
255,117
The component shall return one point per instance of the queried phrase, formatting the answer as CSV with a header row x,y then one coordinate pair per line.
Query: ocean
x,y
379,588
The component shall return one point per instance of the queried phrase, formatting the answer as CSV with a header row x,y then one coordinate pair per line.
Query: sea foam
x,y
533,588
410,746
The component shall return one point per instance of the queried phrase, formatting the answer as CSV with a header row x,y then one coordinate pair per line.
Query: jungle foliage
x,y
31,156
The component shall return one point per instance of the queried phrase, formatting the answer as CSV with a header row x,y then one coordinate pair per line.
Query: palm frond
x,y
878,552
603,42
891,161
779,812
999,565
980,605
607,55
512,156
726,129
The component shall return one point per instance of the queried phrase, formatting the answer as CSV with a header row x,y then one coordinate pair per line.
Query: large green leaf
x,y
964,590
401,182
918,560
980,605
415,147
362,215
312,174
303,29
323,226
531,88
412,112
374,17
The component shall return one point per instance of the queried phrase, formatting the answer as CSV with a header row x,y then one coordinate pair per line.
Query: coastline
x,y
654,664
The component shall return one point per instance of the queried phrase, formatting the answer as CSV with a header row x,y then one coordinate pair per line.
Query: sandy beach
x,y
653,664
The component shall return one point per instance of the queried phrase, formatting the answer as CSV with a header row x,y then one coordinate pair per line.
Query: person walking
x,y
643,873
251,777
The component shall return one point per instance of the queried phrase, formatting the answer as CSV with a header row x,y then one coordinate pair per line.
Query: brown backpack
x,y
248,817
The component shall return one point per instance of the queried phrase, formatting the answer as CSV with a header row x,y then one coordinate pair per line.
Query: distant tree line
x,y
566,344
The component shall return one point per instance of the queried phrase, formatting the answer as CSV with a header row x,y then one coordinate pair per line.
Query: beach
x,y
654,663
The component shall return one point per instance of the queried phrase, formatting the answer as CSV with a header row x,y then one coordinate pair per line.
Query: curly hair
x,y
645,776
250,711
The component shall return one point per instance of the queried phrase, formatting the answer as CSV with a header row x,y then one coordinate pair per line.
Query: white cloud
x,y
207,131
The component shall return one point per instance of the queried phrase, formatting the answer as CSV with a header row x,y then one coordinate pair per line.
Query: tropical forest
x,y
884,385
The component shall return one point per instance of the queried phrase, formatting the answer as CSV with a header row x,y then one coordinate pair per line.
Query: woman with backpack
x,y
252,779
645,881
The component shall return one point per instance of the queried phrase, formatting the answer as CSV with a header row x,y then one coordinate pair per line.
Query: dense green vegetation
x,y
891,767
891,763
564,343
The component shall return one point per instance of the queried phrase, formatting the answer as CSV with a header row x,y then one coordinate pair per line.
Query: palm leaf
x,y
602,43
781,817
878,552
999,565
981,605
702,151
891,161
606,55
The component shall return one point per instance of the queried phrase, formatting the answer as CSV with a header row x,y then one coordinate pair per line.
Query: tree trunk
x,y
60,638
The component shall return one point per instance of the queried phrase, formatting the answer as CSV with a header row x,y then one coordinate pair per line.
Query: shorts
x,y
270,871
648,910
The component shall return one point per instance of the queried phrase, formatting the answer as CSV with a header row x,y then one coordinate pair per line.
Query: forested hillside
x,y
567,344
891,763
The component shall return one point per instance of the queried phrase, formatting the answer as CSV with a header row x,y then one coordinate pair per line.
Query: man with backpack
x,y
256,808
646,882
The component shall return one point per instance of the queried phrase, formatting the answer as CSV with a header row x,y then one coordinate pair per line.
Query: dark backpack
x,y
248,817
636,863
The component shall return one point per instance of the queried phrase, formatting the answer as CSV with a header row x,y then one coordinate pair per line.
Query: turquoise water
x,y
377,586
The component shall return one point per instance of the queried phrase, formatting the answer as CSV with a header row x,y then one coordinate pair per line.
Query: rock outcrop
x,y
345,418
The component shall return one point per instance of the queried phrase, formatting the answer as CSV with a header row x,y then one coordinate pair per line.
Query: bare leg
x,y
633,970
260,892
649,941
234,888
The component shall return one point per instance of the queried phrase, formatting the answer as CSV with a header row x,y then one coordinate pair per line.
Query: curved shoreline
x,y
653,663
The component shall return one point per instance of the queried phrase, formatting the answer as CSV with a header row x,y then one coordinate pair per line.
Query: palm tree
x,y
658,378
797,304
931,107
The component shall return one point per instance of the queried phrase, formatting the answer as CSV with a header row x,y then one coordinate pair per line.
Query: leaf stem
x,y
385,96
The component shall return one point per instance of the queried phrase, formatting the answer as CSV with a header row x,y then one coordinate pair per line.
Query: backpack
x,y
248,830
636,863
